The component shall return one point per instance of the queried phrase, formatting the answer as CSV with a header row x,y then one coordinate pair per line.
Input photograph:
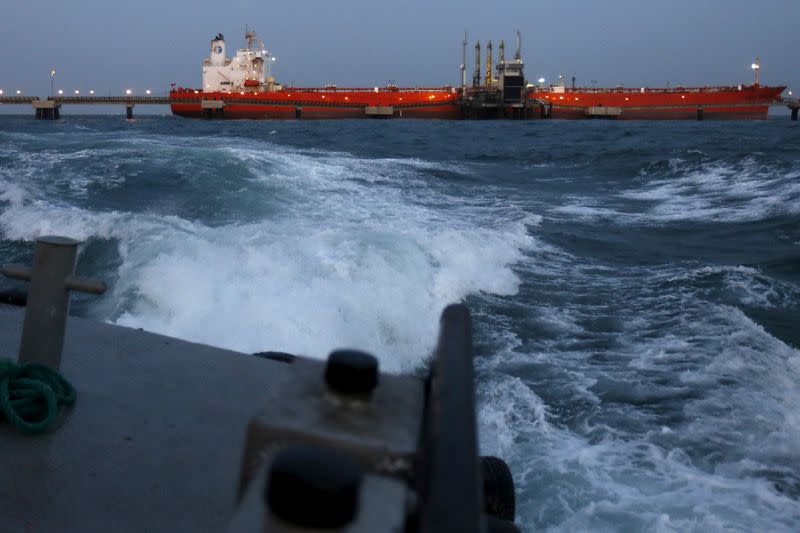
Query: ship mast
x,y
757,68
250,38
518,53
464,65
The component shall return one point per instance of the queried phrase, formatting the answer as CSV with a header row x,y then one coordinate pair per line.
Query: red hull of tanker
x,y
746,102
441,103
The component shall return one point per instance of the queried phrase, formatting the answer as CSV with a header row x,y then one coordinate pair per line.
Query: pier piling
x,y
46,110
794,113
129,111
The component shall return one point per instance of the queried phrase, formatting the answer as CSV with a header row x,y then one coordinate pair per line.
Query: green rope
x,y
30,395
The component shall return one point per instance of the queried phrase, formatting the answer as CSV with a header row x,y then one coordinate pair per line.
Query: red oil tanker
x,y
243,87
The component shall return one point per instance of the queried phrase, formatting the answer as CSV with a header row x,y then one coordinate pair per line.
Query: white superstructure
x,y
249,70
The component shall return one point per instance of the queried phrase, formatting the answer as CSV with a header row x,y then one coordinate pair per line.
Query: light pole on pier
x,y
52,82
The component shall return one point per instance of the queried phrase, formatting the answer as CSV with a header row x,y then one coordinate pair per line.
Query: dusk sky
x,y
109,46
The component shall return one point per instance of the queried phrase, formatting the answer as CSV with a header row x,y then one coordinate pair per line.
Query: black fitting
x,y
498,488
313,487
351,372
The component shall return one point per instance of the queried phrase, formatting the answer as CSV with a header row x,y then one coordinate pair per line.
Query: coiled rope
x,y
31,395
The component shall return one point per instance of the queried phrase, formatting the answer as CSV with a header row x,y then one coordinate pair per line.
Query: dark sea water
x,y
635,286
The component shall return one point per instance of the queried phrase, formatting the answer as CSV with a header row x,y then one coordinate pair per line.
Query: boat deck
x,y
153,443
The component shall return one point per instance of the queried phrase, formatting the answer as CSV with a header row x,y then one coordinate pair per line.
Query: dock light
x,y
19,92
61,91
128,92
541,80
91,92
77,91
1,92
147,91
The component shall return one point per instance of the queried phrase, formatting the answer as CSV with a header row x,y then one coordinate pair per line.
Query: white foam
x,y
350,262
719,191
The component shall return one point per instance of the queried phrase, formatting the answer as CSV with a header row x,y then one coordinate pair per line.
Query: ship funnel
x,y
217,56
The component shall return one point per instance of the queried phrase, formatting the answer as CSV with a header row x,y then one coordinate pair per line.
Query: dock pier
x,y
50,109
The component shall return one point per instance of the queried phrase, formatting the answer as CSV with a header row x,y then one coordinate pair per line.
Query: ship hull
x,y
315,104
707,103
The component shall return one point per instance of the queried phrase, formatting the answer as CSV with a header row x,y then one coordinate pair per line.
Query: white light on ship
x,y
1,92
128,92
755,66
541,80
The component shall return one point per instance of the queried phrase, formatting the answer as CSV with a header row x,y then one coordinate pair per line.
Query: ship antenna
x,y
518,54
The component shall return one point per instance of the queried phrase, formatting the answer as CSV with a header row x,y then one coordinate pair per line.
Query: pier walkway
x,y
50,109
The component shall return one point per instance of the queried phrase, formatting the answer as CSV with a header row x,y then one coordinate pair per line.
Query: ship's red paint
x,y
391,102
745,102
741,102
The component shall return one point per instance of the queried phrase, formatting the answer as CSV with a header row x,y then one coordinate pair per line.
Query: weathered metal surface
x,y
153,442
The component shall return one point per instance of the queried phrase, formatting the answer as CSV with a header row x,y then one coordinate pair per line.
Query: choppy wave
x,y
353,252
635,287
750,189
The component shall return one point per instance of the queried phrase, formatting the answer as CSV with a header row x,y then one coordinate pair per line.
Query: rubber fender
x,y
498,488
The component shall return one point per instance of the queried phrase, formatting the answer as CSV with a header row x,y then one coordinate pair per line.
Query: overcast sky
x,y
108,46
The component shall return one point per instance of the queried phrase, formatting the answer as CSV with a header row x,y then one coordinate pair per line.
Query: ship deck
x,y
154,441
